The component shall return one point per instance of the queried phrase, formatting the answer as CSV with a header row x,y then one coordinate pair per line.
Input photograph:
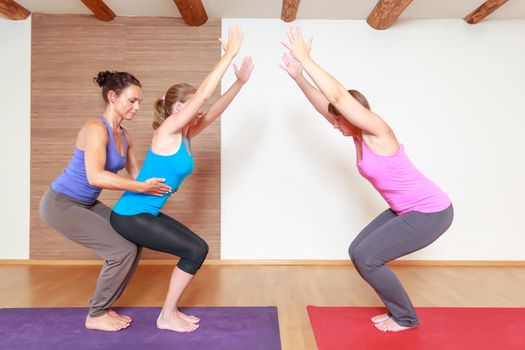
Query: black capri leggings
x,y
164,234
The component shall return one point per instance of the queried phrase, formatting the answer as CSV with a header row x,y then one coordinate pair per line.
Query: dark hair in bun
x,y
116,81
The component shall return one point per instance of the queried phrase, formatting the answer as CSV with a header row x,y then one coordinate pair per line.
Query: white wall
x,y
15,66
452,92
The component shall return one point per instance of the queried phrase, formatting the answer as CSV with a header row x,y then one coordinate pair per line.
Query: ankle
x,y
166,313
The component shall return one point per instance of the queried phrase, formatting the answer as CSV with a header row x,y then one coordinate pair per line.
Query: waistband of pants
x,y
59,195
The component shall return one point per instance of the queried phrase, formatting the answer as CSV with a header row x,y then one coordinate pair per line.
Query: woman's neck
x,y
113,119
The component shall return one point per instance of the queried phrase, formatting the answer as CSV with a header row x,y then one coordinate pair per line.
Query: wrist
x,y
302,58
229,55
299,77
141,187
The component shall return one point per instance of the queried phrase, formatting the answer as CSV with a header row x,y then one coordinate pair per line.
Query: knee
x,y
351,250
193,260
200,251
361,257
126,253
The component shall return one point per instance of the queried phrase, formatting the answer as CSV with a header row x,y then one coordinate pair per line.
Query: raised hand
x,y
243,73
232,46
291,66
296,45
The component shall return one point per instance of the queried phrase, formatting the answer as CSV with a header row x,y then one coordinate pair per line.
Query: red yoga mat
x,y
441,328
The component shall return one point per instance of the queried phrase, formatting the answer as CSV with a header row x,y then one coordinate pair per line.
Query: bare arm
x,y
333,90
206,88
243,74
316,97
132,166
96,139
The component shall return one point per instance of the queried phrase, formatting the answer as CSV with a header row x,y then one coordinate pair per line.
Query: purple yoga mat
x,y
228,328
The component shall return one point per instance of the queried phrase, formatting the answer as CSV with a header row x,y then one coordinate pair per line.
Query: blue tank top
x,y
174,168
73,181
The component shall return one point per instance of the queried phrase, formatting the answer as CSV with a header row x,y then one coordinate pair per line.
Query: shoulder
x,y
94,129
384,144
94,125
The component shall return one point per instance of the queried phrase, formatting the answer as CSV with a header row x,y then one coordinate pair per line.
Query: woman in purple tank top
x,y
71,207
419,211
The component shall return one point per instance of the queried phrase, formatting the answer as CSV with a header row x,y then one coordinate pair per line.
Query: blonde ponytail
x,y
158,113
163,107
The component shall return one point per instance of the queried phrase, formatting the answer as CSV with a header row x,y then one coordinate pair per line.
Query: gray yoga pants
x,y
88,225
388,237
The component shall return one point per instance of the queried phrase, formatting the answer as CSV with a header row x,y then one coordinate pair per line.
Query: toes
x,y
382,326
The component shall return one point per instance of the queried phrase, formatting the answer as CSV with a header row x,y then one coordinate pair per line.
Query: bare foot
x,y
105,323
175,323
124,318
189,318
380,318
389,325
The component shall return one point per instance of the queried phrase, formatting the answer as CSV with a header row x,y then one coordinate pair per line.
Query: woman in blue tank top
x,y
178,118
71,207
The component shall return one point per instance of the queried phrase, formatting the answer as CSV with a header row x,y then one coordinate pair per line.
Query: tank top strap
x,y
189,144
125,137
108,129
110,134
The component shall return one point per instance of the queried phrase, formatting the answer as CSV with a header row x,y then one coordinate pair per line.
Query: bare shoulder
x,y
93,125
384,143
93,130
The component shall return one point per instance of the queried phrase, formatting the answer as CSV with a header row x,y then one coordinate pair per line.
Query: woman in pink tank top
x,y
419,211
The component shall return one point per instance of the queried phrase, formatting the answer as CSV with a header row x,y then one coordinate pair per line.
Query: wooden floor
x,y
290,288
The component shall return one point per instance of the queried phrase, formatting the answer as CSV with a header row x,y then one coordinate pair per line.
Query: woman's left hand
x,y
297,46
233,45
243,73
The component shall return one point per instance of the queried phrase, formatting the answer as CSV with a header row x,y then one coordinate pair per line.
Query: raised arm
x,y
208,85
132,166
333,90
316,97
242,74
96,139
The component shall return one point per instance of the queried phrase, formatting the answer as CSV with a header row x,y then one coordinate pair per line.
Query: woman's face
x,y
177,106
344,126
127,104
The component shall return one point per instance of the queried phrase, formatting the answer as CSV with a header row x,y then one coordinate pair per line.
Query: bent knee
x,y
351,250
201,251
125,253
363,258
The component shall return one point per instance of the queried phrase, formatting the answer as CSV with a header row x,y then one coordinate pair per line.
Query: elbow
x,y
93,180
336,96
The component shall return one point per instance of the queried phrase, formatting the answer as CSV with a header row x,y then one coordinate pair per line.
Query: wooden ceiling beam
x,y
386,12
289,11
483,11
100,9
192,12
13,10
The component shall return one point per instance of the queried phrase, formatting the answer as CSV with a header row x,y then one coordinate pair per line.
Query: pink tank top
x,y
400,183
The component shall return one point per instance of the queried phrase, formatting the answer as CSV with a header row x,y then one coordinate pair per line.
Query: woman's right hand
x,y
156,187
291,66
296,44
233,45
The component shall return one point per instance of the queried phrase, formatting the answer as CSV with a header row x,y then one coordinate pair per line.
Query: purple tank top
x,y
400,183
73,181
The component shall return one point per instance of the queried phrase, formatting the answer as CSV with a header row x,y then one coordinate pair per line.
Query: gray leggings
x,y
88,225
388,237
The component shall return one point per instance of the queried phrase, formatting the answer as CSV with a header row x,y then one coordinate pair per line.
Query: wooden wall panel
x,y
67,52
